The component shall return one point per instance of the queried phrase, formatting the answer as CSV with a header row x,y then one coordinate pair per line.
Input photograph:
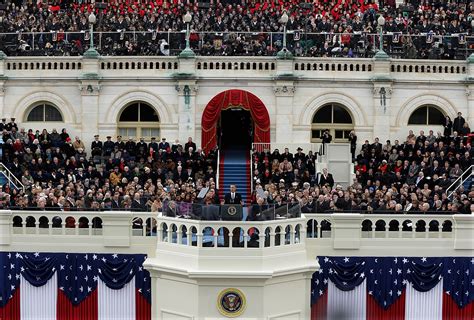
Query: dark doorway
x,y
235,129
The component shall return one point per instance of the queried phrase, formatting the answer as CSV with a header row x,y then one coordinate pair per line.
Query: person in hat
x,y
96,146
108,146
142,148
153,145
131,147
164,145
3,124
11,125
120,144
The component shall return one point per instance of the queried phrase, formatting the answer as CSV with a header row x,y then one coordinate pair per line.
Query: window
x,y
425,115
44,112
334,117
137,120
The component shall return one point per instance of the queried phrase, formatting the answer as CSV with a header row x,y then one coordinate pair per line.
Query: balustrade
x,y
124,229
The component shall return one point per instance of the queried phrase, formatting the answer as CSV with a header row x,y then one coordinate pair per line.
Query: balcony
x,y
318,234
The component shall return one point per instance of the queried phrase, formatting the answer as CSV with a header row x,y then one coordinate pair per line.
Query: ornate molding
x,y
284,90
187,89
381,89
89,89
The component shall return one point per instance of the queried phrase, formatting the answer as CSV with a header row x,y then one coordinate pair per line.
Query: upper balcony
x,y
307,65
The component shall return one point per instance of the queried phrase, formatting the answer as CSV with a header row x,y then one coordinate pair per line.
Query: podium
x,y
232,212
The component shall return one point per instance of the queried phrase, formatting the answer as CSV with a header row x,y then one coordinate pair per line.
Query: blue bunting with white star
x,y
78,273
387,277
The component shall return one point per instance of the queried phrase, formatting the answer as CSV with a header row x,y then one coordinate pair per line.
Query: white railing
x,y
218,168
144,231
467,174
221,234
12,179
386,225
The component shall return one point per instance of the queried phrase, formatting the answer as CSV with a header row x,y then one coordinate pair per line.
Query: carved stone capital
x,y
187,89
89,87
382,90
284,90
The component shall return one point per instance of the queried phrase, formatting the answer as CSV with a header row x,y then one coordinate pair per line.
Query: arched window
x,y
138,120
334,117
425,115
44,112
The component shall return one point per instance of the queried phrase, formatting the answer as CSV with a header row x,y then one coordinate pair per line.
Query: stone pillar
x,y
284,92
382,91
3,79
117,229
470,91
187,91
464,232
382,94
5,227
346,229
90,88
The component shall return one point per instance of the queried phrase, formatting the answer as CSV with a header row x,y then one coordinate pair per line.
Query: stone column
x,y
382,90
90,88
3,79
187,91
284,93
470,91
5,227
382,94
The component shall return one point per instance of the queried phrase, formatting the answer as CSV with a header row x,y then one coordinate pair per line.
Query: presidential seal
x,y
231,302
231,210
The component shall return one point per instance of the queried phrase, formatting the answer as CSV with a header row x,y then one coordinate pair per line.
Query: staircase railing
x,y
251,172
11,177
218,168
467,174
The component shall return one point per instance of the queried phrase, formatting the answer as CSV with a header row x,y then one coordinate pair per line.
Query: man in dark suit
x,y
164,145
233,197
325,178
458,122
96,146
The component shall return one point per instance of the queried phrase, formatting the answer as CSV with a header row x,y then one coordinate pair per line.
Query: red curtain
x,y
234,98
319,309
395,312
86,310
452,311
142,307
11,310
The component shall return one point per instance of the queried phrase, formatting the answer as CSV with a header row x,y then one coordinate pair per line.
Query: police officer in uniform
x,y
96,146
153,144
120,144
108,146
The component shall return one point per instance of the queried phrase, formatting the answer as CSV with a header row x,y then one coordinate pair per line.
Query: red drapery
x,y
234,98
319,309
11,310
395,312
452,311
86,310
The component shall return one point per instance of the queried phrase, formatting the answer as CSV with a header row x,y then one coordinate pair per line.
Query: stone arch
x,y
164,112
24,105
417,101
357,113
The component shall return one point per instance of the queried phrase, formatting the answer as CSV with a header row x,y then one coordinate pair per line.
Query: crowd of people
x,y
410,175
58,174
416,29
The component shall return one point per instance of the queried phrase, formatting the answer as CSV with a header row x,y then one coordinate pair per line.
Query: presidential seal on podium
x,y
231,302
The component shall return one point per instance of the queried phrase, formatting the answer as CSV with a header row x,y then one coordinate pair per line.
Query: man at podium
x,y
233,197
232,211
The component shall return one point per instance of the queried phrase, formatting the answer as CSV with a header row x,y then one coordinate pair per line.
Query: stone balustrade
x,y
135,231
230,67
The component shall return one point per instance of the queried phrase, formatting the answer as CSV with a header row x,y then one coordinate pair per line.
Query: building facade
x,y
166,96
